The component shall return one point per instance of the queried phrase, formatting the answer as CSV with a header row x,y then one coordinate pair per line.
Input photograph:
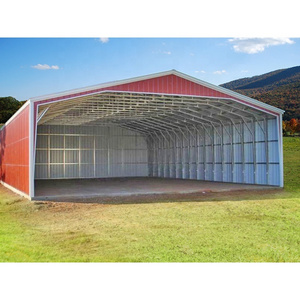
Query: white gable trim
x,y
230,93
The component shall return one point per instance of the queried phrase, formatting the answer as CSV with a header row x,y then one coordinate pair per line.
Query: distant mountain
x,y
280,88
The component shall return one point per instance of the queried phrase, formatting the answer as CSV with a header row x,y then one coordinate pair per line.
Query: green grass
x,y
236,227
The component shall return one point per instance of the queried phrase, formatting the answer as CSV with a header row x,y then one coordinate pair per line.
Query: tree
x,y
293,125
8,106
298,127
283,127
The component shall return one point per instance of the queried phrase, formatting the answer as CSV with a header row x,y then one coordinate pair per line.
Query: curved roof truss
x,y
148,113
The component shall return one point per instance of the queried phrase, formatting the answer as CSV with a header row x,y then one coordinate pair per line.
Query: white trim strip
x,y
15,190
280,142
230,92
31,150
16,114
102,85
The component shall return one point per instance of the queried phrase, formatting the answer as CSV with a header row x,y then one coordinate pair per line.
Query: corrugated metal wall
x,y
89,152
14,159
242,153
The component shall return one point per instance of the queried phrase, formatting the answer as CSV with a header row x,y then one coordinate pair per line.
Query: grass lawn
x,y
236,227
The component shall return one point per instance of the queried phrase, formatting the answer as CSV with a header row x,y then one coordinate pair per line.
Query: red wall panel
x,y
14,158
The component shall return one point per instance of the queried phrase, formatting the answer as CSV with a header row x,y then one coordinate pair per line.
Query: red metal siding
x,y
169,84
14,159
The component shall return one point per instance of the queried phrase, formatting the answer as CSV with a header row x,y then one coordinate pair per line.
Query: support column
x,y
254,152
243,150
204,154
222,151
213,153
232,154
32,149
267,151
280,145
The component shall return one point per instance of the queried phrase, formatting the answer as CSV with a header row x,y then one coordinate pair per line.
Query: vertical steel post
x,y
94,154
108,151
222,151
64,156
243,150
254,152
49,156
280,146
79,157
204,154
267,150
232,155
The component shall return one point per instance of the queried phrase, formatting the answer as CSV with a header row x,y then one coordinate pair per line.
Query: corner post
x,y
31,149
280,145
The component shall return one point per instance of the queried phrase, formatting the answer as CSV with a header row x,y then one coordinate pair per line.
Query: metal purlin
x,y
174,104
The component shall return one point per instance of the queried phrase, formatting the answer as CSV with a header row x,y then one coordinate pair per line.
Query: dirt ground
x,y
131,190
237,195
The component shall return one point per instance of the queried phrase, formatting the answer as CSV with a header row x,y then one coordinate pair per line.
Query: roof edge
x,y
102,85
229,92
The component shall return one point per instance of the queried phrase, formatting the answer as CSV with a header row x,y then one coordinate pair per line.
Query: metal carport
x,y
166,125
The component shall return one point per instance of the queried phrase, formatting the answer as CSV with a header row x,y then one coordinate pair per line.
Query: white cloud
x,y
104,40
220,72
45,67
161,52
244,71
200,71
256,45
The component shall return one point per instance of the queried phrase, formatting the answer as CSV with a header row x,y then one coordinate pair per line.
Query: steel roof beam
x,y
94,108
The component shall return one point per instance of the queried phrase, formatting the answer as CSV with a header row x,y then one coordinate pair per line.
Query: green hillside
x,y
280,88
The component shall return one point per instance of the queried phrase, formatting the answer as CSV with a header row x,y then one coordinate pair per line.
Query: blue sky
x,y
36,66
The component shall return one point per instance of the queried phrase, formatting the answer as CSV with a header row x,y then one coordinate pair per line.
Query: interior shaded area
x,y
160,138
127,134
117,187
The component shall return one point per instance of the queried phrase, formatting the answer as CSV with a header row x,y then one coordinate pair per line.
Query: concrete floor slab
x,y
114,187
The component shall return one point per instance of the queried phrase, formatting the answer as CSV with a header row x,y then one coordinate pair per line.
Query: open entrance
x,y
130,135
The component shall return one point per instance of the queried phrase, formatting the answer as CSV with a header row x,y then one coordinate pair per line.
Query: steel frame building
x,y
167,125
